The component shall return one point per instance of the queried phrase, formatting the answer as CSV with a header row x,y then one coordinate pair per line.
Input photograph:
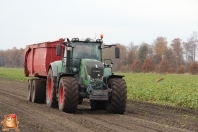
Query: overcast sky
x,y
25,22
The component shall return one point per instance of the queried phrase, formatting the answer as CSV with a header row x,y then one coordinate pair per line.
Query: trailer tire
x,y
38,91
29,90
118,97
68,94
51,90
98,105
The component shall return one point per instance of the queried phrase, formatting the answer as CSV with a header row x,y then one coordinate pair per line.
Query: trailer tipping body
x,y
39,56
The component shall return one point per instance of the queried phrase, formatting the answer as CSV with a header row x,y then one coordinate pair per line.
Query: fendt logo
x,y
10,122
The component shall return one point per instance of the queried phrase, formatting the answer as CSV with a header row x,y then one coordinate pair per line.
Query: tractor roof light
x,y
75,39
87,40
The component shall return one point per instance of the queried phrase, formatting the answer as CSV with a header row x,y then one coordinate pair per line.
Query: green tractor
x,y
83,73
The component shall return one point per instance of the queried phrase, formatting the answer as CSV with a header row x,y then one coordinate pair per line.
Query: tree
x,y
143,51
188,51
177,51
171,69
12,57
163,66
181,69
136,66
160,45
148,65
131,53
170,56
193,68
191,47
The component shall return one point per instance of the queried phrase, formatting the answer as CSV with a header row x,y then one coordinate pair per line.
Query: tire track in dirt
x,y
138,116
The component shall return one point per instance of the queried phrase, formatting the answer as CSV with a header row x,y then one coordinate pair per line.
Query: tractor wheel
x,y
38,91
80,100
98,105
118,97
51,90
68,94
29,90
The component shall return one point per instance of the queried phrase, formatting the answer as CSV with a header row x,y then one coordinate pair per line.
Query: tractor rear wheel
x,y
68,94
51,90
38,91
118,97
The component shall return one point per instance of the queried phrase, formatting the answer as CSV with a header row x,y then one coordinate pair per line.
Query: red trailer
x,y
39,56
37,60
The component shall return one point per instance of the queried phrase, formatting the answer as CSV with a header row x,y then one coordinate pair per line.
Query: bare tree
x,y
177,52
132,52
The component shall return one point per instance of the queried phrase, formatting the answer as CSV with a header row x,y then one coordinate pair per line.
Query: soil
x,y
139,116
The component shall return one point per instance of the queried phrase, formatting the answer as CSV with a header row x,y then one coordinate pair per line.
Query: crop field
x,y
12,73
166,89
150,106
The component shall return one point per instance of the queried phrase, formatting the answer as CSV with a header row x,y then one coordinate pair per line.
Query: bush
x,y
148,65
136,66
193,68
181,69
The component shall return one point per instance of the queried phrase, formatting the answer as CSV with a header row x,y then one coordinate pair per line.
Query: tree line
x,y
12,57
177,57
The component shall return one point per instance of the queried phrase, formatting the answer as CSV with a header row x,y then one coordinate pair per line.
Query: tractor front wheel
x,y
118,97
68,94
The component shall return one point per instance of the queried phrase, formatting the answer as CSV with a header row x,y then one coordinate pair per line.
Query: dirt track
x,y
139,116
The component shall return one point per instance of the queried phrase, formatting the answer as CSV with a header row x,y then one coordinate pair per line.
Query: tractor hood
x,y
94,68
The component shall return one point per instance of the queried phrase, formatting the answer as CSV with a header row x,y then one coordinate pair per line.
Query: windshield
x,y
87,50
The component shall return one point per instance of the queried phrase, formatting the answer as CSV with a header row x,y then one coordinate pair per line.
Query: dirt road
x,y
139,116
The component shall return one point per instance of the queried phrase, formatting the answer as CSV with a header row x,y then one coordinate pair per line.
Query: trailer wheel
x,y
29,90
118,97
68,94
51,90
38,91
98,105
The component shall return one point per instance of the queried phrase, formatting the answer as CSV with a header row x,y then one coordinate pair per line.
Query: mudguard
x,y
54,69
106,78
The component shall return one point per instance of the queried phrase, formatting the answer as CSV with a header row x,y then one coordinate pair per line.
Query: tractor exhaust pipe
x,y
68,61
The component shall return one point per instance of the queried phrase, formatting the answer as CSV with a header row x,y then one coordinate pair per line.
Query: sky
x,y
24,22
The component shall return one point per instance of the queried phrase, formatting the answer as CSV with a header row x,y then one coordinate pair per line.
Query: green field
x,y
173,90
13,73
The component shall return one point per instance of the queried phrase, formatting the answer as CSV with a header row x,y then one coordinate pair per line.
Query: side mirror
x,y
117,52
58,50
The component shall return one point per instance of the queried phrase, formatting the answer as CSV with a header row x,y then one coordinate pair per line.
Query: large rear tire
x,y
51,90
38,91
118,97
68,94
